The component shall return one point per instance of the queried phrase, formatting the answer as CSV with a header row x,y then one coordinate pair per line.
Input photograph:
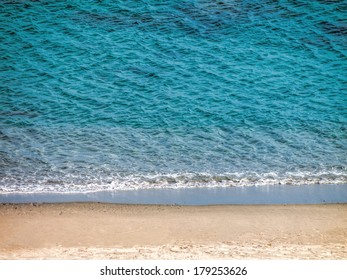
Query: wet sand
x,y
116,231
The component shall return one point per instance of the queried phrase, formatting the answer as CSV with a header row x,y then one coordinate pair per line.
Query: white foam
x,y
79,184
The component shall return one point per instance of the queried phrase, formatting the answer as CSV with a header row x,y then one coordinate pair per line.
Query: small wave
x,y
78,184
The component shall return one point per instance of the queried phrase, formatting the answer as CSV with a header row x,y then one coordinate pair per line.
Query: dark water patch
x,y
337,30
18,113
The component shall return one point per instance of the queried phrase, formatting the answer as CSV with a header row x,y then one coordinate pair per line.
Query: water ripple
x,y
105,95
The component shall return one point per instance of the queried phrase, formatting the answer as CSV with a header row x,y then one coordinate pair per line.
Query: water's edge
x,y
304,194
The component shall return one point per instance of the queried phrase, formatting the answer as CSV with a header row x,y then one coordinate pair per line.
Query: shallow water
x,y
170,94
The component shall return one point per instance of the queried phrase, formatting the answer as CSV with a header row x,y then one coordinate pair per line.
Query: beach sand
x,y
113,231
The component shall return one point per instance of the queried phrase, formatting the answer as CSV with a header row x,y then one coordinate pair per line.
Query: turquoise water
x,y
116,95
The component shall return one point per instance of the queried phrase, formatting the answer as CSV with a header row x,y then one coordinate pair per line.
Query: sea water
x,y
121,95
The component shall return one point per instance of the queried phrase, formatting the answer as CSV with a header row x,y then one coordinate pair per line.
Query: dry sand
x,y
111,231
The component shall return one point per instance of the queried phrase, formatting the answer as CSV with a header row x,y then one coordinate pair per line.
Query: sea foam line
x,y
84,184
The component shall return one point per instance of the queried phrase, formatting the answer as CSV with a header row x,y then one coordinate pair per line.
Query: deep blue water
x,y
107,95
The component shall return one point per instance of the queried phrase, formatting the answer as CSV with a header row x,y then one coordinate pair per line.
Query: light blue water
x,y
110,95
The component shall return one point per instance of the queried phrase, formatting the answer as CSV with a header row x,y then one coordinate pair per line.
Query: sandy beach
x,y
113,231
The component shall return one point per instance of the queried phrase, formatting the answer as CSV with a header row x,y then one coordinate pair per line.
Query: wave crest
x,y
83,184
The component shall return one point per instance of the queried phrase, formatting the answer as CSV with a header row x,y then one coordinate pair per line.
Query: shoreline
x,y
255,195
123,231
